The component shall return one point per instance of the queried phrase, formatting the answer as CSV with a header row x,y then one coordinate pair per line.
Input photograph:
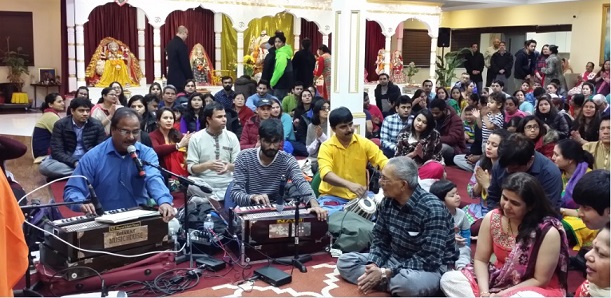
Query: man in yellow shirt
x,y
342,161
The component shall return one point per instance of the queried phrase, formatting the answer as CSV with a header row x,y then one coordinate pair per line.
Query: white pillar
x,y
80,55
296,32
325,39
71,47
218,28
433,61
349,40
157,54
387,54
399,36
240,62
142,44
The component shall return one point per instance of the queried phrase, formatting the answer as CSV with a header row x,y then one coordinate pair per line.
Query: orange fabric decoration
x,y
13,249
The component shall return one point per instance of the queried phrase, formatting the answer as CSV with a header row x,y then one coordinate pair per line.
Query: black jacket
x,y
303,67
245,86
500,61
233,122
523,66
475,61
63,140
269,63
179,68
392,94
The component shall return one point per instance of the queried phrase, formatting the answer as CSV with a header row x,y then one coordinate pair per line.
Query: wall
x,y
46,16
587,23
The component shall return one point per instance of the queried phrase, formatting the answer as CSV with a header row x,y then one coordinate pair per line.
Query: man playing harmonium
x,y
258,172
114,176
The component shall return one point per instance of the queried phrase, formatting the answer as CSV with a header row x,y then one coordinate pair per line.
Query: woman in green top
x,y
41,137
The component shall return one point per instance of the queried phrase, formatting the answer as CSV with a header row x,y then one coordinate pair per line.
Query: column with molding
x,y
399,37
141,23
240,56
218,28
349,40
433,61
387,44
71,46
80,55
296,32
157,52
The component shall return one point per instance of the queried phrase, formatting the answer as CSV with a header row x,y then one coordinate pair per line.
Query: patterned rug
x,y
321,280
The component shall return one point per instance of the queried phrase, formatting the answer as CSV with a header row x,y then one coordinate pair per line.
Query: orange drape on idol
x,y
13,249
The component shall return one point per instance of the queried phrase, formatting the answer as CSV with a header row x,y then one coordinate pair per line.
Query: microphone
x,y
280,199
132,152
94,199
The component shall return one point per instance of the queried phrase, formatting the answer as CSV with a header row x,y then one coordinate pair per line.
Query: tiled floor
x,y
18,124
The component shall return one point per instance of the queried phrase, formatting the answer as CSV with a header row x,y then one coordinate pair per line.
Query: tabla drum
x,y
365,207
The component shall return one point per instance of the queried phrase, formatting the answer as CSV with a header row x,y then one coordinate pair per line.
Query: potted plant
x,y
447,65
16,63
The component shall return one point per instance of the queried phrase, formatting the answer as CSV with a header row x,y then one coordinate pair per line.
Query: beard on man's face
x,y
270,152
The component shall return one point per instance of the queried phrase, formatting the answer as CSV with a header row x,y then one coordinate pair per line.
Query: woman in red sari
x,y
529,243
169,144
323,68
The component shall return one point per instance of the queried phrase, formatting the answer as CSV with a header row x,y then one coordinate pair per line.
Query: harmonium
x,y
124,232
264,232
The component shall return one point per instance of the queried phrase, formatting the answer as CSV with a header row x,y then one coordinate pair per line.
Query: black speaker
x,y
443,39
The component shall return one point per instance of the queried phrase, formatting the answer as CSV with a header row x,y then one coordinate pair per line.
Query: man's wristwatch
x,y
384,275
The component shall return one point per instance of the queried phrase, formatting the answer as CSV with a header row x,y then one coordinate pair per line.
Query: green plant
x,y
447,65
16,63
410,71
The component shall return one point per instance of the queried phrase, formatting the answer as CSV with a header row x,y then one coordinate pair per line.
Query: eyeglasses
x,y
125,132
326,109
268,143
531,127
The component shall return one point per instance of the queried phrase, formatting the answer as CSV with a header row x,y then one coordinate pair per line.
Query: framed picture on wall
x,y
46,75
604,39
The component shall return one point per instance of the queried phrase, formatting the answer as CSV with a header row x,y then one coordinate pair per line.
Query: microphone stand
x,y
297,260
28,290
185,182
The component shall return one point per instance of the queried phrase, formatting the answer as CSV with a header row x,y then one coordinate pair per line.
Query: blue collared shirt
x,y
80,148
115,178
225,98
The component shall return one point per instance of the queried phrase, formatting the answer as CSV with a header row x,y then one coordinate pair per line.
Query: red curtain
x,y
64,52
149,52
199,22
374,41
111,20
310,30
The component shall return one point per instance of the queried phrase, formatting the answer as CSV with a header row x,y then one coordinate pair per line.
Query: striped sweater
x,y
250,177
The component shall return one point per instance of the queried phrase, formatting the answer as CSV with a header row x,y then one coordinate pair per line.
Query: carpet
x,y
321,280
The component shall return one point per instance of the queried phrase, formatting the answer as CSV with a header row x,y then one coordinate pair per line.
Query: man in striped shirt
x,y
258,172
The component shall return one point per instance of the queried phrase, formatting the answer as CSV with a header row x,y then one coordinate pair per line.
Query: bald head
x,y
182,32
496,43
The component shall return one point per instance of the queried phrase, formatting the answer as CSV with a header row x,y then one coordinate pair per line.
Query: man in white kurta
x,y
211,154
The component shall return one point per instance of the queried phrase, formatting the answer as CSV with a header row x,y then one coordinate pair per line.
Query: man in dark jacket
x,y
269,61
450,127
501,63
386,94
525,63
179,68
72,137
304,63
474,65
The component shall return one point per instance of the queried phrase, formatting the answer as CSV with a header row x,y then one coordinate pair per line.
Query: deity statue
x,y
380,62
203,72
258,49
113,62
397,68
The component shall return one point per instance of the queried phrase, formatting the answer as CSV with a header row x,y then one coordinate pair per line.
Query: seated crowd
x,y
539,161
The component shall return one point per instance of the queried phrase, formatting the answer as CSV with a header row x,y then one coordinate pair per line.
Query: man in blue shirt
x,y
114,176
262,89
517,154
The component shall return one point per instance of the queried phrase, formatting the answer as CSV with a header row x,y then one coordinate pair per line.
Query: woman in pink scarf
x,y
528,241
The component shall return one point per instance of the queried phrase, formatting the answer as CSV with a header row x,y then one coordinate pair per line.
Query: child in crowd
x,y
446,191
178,110
492,117
469,124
